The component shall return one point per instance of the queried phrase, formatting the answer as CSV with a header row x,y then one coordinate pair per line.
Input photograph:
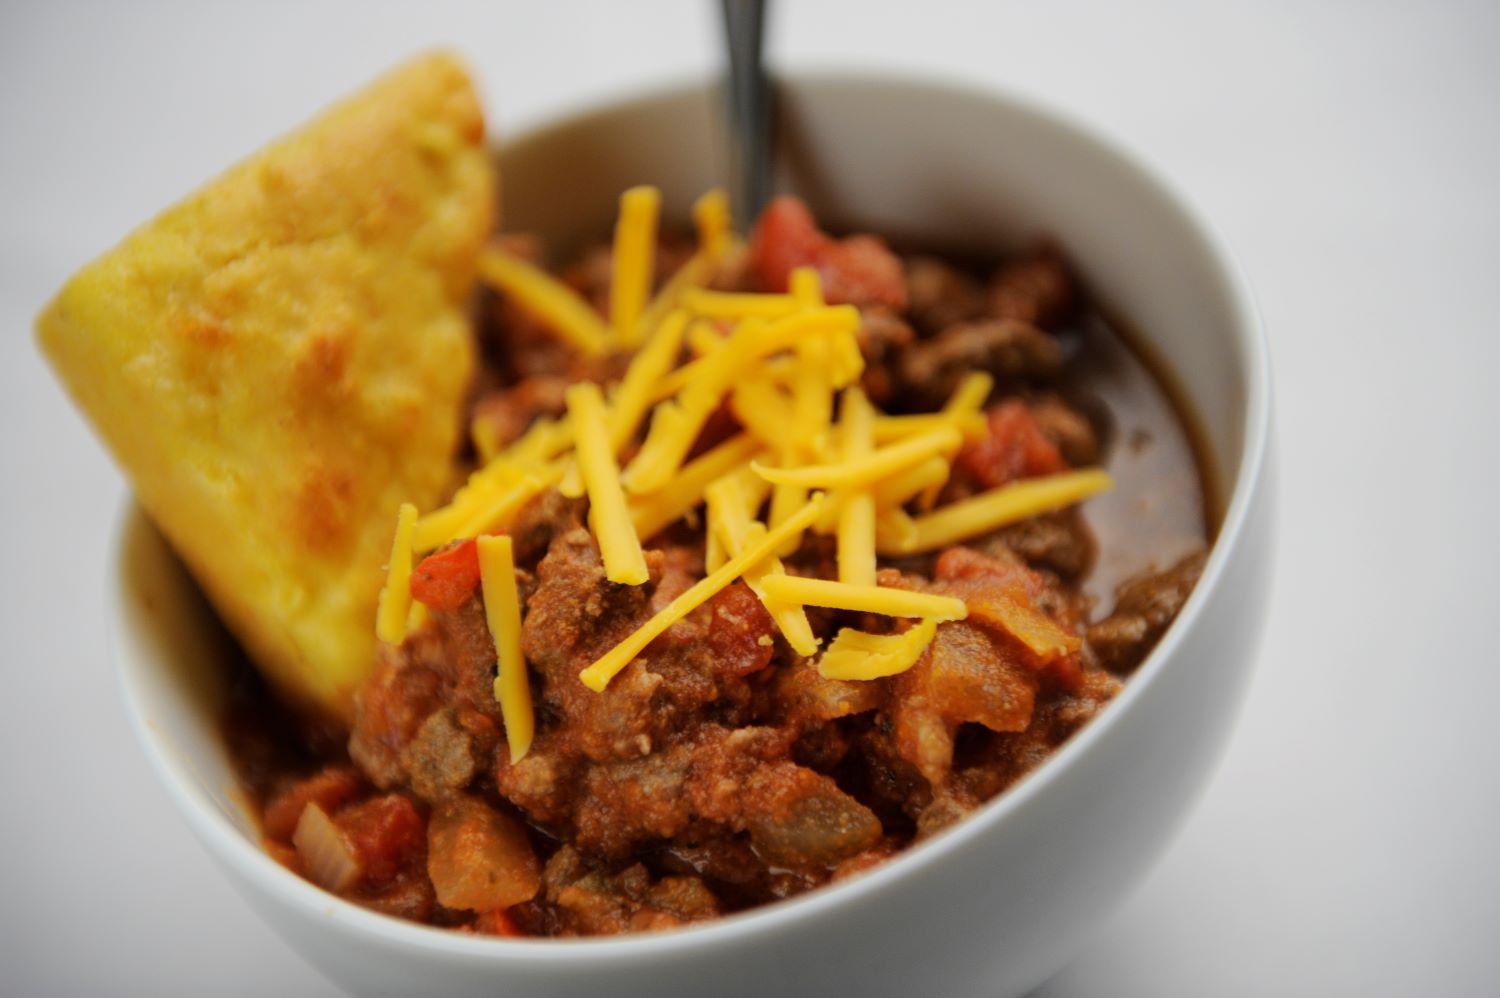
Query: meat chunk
x,y
883,335
573,617
442,758
939,295
625,804
1059,541
800,819
1007,348
587,900
509,412
1036,289
1144,607
389,708
542,519
1070,430
542,782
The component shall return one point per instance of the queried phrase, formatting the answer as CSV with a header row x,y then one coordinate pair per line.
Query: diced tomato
x,y
329,788
862,270
1015,448
445,579
386,833
497,922
859,270
785,238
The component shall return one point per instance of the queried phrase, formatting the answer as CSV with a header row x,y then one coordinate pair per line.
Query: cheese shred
x,y
856,525
1001,507
395,597
787,368
634,262
502,611
865,599
874,466
624,562
857,655
550,300
597,676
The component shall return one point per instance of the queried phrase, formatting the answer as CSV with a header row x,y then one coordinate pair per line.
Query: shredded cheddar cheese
x,y
866,599
731,512
894,529
634,262
969,397
738,305
416,617
650,515
502,611
899,488
395,598
619,546
486,440
857,655
703,338
856,526
763,410
1003,506
571,485
870,468
648,367
783,366
501,509
550,300
806,286
715,225
597,676
891,428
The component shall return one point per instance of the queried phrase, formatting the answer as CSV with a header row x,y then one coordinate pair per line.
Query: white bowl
x,y
998,903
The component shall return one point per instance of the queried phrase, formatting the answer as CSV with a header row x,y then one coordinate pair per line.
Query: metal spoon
x,y
748,96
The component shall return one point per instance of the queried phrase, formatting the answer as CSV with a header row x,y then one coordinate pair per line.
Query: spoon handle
x,y
749,105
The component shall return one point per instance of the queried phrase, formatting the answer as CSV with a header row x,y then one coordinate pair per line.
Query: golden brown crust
x,y
279,361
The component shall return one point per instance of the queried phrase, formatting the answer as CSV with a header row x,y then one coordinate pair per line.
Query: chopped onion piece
x,y
325,854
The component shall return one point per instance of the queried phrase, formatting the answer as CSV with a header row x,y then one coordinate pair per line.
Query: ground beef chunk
x,y
1144,606
543,783
883,335
510,411
1058,716
542,519
444,755
1036,289
1010,349
939,295
1058,541
584,900
1070,430
574,616
451,662
390,707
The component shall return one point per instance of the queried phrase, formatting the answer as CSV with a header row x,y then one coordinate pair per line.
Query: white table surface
x,y
1350,152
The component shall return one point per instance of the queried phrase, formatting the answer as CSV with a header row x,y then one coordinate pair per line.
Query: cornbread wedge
x,y
279,361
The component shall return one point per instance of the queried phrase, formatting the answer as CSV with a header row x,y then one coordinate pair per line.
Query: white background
x,y
1350,152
